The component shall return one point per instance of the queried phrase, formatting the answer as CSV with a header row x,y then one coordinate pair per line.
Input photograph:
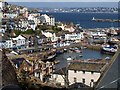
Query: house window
x,y
75,80
92,72
75,71
92,83
92,80
83,80
83,72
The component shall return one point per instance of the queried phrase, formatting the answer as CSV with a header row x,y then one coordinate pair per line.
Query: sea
x,y
85,19
87,54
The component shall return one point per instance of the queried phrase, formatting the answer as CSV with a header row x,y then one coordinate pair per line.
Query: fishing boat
x,y
77,50
80,55
65,50
69,58
59,52
109,49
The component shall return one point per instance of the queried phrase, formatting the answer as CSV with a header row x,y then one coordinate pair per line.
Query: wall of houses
x,y
13,42
10,15
98,34
87,78
74,36
84,77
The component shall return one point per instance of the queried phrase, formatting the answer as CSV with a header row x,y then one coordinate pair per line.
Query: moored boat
x,y
108,49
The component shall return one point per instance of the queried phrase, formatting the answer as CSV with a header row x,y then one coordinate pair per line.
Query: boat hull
x,y
107,52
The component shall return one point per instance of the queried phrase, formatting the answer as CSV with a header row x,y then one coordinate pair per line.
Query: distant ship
x,y
105,20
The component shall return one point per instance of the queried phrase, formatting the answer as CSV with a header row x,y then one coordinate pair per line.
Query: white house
x,y
8,43
2,30
74,36
31,24
87,73
47,34
70,29
35,18
49,20
23,24
19,41
98,33
1,5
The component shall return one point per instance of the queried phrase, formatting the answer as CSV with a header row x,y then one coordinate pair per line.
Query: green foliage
x,y
17,32
56,29
43,27
29,31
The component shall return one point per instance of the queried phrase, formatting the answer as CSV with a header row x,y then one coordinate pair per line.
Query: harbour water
x,y
86,54
85,19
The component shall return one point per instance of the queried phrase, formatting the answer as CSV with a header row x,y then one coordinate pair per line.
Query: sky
x,y
65,4
62,0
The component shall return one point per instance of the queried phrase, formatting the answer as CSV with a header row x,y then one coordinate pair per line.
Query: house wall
x,y
1,5
74,36
8,44
52,21
48,20
59,79
79,75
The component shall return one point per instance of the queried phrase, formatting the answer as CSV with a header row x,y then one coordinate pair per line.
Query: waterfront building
x,y
98,33
74,36
79,72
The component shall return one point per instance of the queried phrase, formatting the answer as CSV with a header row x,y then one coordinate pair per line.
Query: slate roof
x,y
86,66
78,86
18,61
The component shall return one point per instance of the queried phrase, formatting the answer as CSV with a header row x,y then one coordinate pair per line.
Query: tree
x,y
56,29
17,32
29,31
